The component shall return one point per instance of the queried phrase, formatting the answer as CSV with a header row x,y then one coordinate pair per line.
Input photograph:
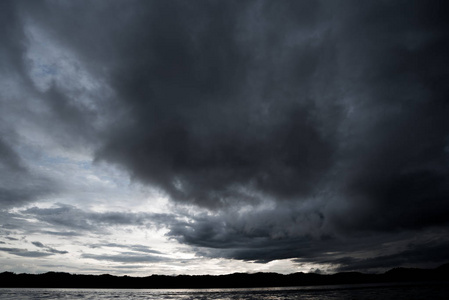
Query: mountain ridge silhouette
x,y
234,280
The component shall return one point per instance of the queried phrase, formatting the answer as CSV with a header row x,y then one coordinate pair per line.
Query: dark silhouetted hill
x,y
66,280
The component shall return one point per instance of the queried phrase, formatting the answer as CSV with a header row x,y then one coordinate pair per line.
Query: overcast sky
x,y
211,137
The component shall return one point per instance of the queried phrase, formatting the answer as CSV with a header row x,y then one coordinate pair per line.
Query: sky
x,y
212,137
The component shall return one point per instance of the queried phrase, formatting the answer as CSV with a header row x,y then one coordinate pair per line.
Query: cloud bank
x,y
303,130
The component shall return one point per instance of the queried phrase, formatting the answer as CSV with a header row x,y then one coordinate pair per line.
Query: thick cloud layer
x,y
294,128
201,130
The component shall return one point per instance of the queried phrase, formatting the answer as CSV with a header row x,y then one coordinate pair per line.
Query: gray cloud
x,y
38,244
201,130
199,72
216,139
136,248
24,252
55,251
18,184
29,114
64,215
308,237
62,233
73,218
334,116
49,249
126,257
415,255
129,267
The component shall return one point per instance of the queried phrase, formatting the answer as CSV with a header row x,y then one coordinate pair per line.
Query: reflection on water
x,y
377,291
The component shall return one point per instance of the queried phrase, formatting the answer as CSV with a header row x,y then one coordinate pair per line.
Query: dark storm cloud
x,y
266,232
223,109
190,76
396,174
200,129
271,235
429,253
333,115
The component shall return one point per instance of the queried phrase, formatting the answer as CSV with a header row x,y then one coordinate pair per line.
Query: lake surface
x,y
366,291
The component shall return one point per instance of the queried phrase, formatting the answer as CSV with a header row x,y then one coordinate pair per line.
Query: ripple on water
x,y
424,291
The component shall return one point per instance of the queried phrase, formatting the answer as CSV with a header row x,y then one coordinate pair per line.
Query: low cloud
x,y
38,244
125,258
62,233
73,218
49,249
429,254
25,252
136,248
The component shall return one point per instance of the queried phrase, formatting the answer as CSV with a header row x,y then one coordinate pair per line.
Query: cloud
x,y
178,98
264,236
64,215
199,131
31,142
136,248
21,182
125,258
24,252
277,130
73,218
38,244
414,255
19,185
129,267
49,249
347,114
62,233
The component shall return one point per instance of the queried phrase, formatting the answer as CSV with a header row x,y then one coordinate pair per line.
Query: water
x,y
335,292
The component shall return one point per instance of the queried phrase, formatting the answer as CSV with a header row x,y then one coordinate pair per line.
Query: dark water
x,y
377,291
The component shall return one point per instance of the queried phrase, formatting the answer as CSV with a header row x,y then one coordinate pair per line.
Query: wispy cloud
x,y
49,249
125,258
24,252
